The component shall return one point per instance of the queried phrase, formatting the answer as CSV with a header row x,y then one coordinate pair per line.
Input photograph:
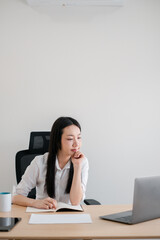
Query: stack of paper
x,y
59,218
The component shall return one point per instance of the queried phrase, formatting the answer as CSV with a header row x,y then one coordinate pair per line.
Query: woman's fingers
x,y
78,155
50,202
47,203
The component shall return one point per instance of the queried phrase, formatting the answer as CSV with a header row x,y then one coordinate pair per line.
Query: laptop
x,y
146,202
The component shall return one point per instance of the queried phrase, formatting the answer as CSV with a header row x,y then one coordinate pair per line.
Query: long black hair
x,y
54,147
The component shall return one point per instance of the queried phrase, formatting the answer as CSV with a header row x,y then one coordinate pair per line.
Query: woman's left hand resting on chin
x,y
46,203
77,158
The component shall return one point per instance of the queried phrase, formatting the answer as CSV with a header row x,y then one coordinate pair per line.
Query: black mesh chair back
x,y
38,145
39,142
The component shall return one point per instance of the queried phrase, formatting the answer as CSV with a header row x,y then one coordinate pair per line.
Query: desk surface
x,y
98,229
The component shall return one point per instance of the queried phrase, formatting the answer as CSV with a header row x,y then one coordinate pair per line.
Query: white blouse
x,y
35,176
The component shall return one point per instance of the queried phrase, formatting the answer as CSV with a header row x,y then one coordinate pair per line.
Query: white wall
x,y
97,64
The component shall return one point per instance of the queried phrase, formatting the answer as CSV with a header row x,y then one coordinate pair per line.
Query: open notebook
x,y
60,207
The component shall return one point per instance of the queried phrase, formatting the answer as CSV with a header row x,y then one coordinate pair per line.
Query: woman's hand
x,y
47,203
77,158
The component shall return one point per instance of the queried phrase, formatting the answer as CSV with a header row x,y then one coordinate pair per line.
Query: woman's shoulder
x,y
41,159
85,162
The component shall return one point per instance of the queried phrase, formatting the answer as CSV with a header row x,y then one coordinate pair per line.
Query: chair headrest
x,y
39,142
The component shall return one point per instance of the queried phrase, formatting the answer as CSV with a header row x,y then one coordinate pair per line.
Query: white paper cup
x,y
5,201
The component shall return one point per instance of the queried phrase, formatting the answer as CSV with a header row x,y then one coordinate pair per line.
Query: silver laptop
x,y
146,202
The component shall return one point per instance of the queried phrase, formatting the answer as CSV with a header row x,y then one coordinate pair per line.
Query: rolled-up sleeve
x,y
84,176
29,179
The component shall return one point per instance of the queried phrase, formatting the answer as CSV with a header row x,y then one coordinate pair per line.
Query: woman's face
x,y
70,140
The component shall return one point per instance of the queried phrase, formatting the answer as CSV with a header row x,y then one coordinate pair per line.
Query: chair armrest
x,y
91,202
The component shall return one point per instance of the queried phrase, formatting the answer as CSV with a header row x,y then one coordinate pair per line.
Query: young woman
x,y
60,175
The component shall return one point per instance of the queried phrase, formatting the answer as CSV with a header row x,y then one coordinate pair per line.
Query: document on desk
x,y
59,218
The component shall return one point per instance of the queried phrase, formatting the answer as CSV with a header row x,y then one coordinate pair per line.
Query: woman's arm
x,y
29,180
46,203
76,192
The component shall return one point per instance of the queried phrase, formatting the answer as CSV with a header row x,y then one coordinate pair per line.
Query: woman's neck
x,y
62,159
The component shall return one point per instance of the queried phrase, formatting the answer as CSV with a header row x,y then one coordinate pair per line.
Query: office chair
x,y
38,145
